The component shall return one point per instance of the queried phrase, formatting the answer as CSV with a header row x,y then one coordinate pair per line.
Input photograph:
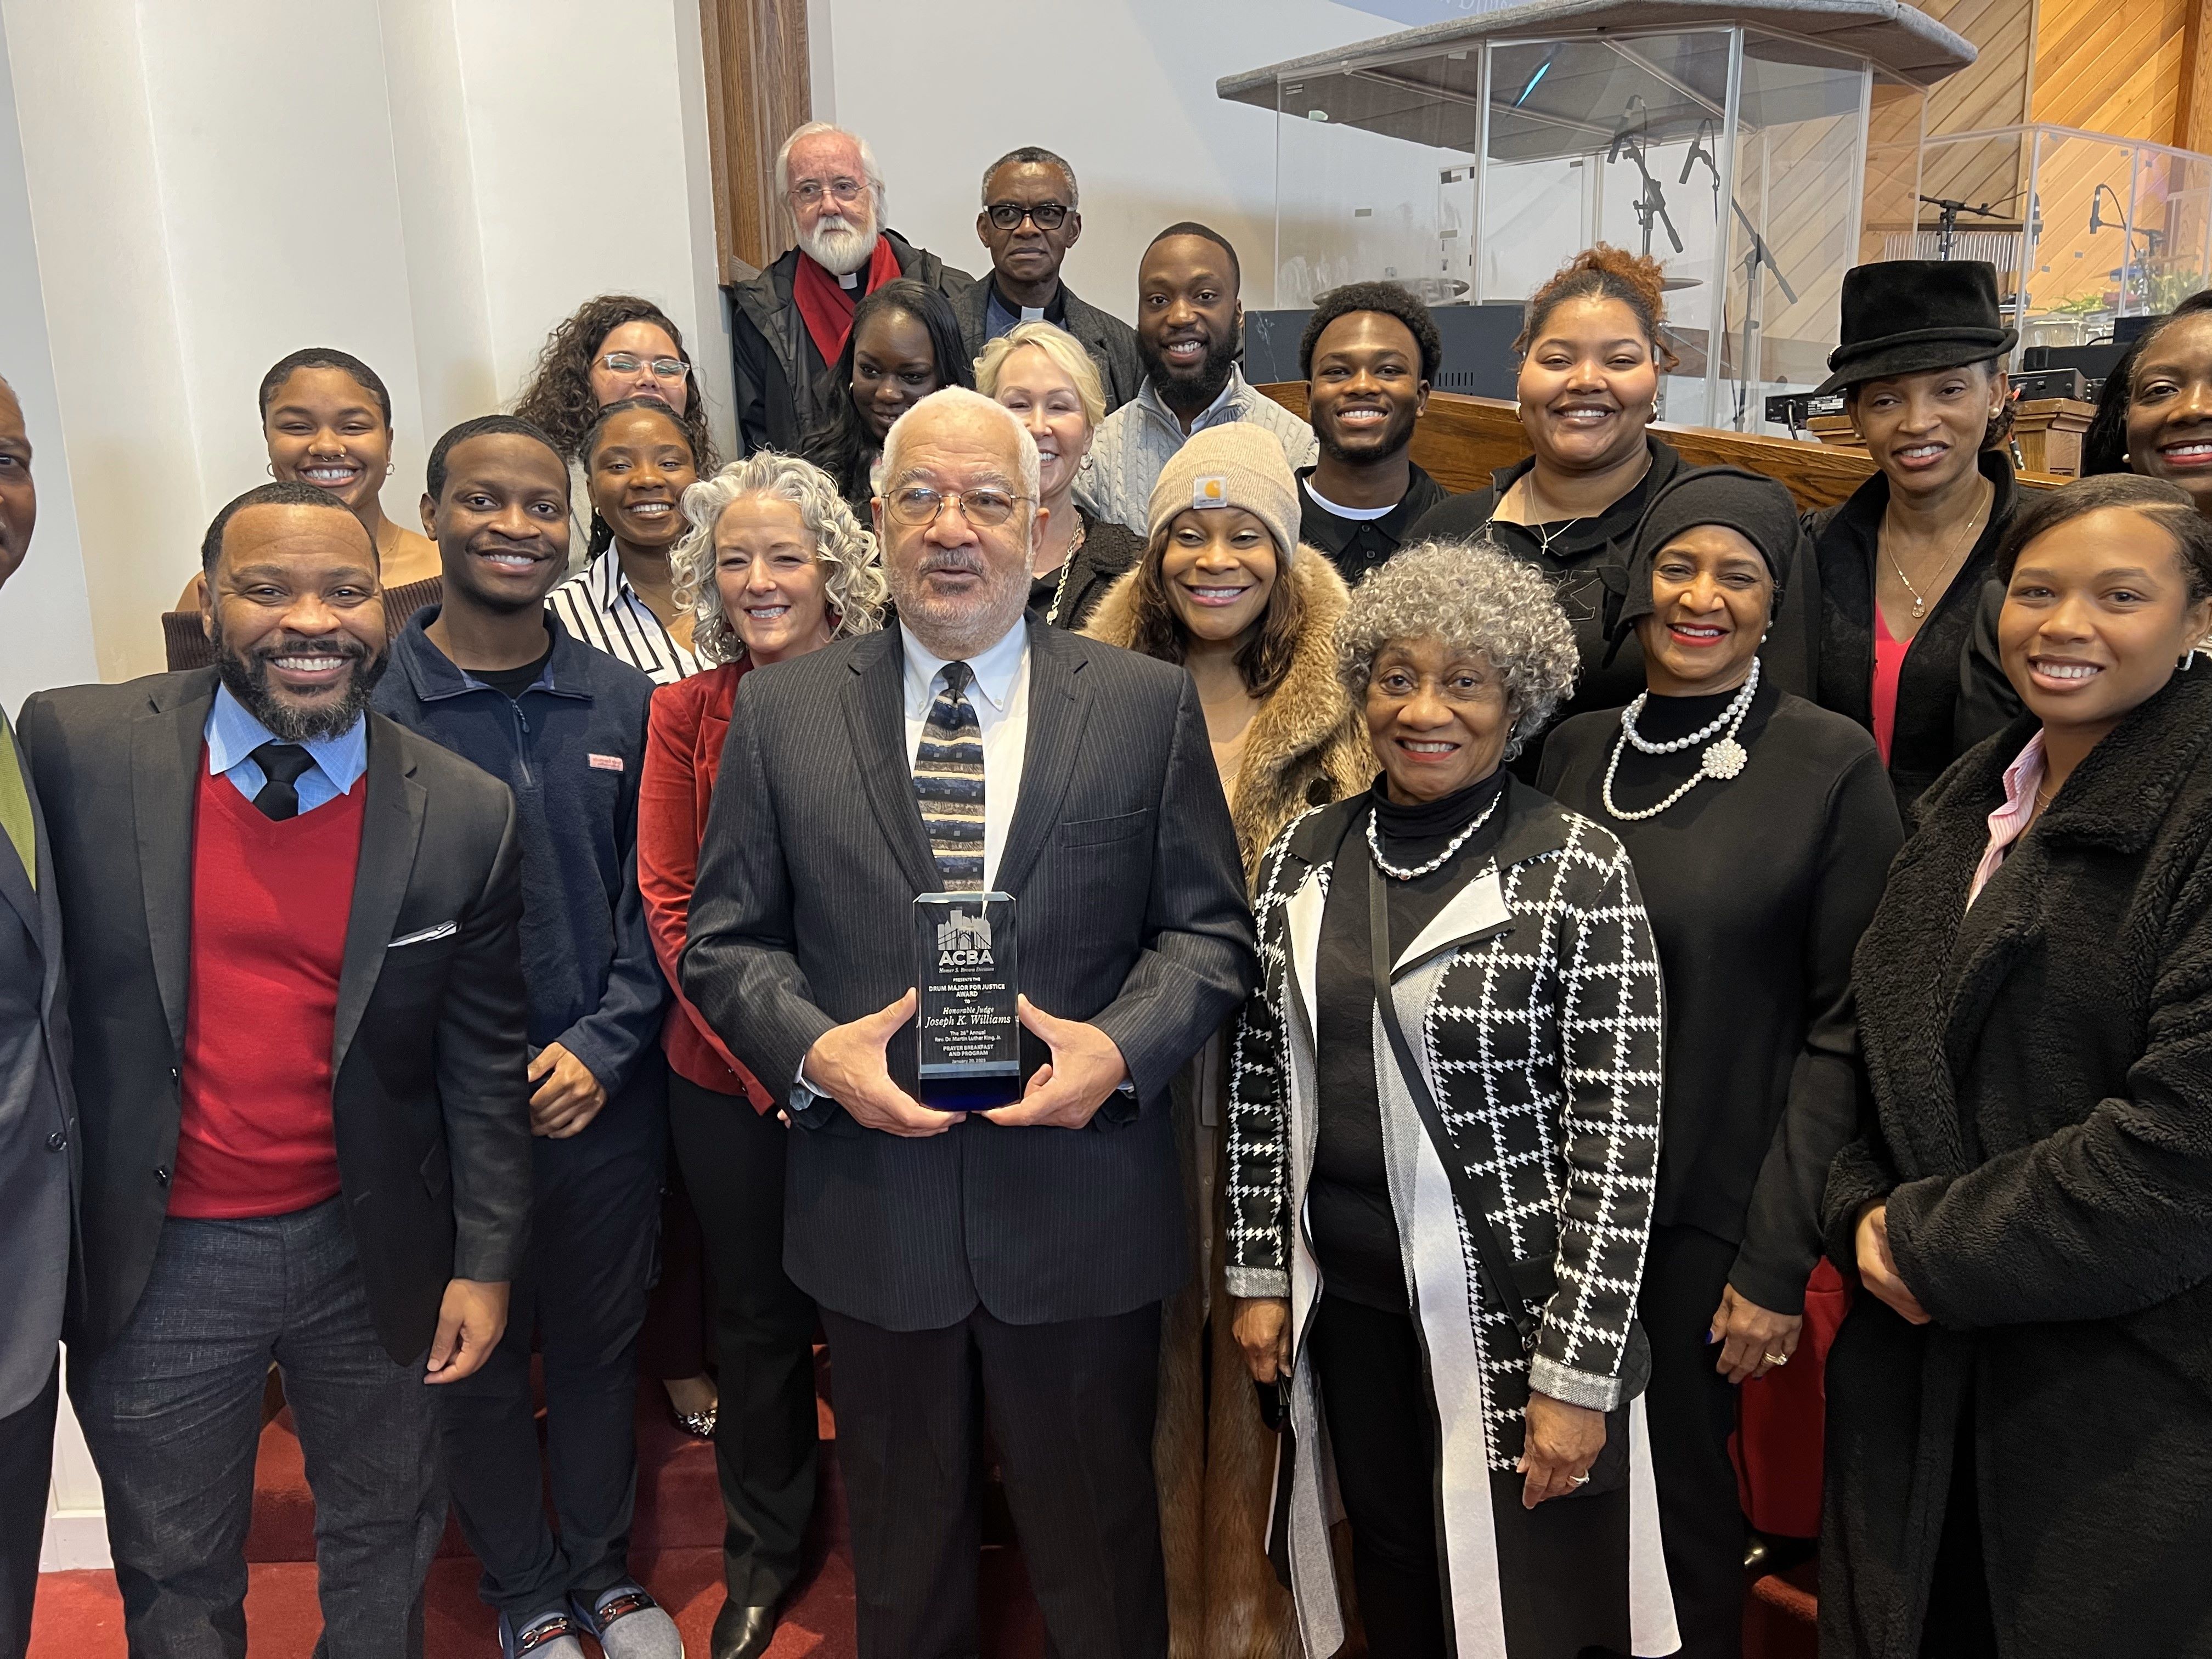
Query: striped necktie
x,y
948,781
16,805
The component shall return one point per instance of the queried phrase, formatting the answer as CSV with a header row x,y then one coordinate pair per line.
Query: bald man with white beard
x,y
1011,1256
789,323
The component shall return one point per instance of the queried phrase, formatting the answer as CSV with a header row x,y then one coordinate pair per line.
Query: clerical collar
x,y
1003,316
848,279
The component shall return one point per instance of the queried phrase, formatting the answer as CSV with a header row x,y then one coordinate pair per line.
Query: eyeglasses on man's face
x,y
809,192
1045,215
629,362
916,505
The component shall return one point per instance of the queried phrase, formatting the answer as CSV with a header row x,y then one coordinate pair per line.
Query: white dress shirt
x,y
999,693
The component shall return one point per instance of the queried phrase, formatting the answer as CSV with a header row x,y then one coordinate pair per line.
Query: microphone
x,y
1690,161
1622,128
2096,207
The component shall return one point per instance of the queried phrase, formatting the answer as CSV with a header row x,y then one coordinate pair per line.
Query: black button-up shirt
x,y
1358,547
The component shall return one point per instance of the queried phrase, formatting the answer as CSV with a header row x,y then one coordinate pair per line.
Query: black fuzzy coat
x,y
2041,1076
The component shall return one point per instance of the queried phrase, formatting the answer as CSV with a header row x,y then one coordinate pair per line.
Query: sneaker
x,y
542,1636
629,1623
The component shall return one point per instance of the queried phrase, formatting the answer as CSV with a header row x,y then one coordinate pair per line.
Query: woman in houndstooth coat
x,y
1488,1454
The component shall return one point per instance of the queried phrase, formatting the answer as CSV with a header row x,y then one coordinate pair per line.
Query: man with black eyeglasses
x,y
788,324
1030,218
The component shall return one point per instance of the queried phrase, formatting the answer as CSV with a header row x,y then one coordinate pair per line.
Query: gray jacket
x,y
37,1116
1111,342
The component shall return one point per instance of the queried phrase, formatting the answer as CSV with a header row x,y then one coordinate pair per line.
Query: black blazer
x,y
1111,342
1131,912
37,1116
430,1103
1931,730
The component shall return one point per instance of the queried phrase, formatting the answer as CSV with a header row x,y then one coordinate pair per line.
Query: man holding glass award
x,y
969,889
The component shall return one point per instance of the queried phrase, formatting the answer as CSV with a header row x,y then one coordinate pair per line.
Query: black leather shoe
x,y
742,1632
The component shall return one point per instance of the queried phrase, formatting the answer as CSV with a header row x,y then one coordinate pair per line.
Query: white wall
x,y
46,618
428,184
1123,88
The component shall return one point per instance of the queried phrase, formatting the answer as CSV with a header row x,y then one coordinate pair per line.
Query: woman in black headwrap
x,y
1761,828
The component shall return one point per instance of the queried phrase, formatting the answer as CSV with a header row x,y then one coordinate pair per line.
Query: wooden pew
x,y
1460,440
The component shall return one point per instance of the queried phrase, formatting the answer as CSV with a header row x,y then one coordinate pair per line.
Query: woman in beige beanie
x,y
1224,588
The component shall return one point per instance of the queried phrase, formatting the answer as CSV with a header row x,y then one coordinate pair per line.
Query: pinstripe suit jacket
x,y
1131,907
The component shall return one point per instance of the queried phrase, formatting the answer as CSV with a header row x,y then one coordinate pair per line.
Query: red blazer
x,y
683,751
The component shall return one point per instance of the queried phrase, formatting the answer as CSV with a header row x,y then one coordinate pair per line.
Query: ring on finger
x,y
1578,1480
1777,1360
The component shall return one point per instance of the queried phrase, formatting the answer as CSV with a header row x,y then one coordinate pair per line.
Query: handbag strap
x,y
1490,1252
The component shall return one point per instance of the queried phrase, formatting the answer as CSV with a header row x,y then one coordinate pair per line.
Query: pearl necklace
x,y
1724,759
1442,859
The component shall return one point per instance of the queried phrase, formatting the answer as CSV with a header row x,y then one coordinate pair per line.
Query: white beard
x,y
840,244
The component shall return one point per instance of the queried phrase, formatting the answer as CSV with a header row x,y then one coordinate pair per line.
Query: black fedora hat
x,y
1908,316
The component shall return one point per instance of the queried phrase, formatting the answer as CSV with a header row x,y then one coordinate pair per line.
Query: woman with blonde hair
x,y
773,565
1224,588
1042,373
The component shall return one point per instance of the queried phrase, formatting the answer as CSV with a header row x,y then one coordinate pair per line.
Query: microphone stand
x,y
1759,256
1651,205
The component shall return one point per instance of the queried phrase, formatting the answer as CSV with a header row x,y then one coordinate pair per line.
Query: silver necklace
x,y
1375,845
1074,547
1529,503
1723,759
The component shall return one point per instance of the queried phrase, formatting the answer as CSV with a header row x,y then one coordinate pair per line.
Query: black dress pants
x,y
1382,1429
766,1431
594,1216
27,1456
1691,1412
1071,1406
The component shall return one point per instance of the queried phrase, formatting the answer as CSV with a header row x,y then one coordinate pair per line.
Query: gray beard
x,y
842,248
957,631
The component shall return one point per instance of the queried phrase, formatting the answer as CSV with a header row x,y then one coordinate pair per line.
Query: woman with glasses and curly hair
x,y
615,347
772,565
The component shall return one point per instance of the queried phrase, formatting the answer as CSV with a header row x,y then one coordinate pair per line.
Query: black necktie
x,y
280,763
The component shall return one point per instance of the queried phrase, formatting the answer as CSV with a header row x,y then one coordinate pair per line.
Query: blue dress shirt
x,y
233,735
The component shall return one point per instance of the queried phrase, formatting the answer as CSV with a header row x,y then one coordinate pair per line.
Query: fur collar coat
x,y
1308,745
2040,1127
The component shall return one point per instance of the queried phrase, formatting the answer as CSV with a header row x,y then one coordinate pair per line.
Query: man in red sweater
x,y
301,1084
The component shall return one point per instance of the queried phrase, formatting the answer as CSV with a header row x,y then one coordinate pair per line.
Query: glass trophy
x,y
969,1036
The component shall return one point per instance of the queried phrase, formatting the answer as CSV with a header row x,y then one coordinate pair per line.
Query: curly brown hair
x,y
1264,658
1602,271
557,398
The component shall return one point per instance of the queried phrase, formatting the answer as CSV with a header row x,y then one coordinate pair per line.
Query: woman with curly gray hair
x,y
773,565
1442,1143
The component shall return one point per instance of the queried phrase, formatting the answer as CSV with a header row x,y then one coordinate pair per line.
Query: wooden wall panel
x,y
2192,113
1993,91
2109,68
758,88
1463,439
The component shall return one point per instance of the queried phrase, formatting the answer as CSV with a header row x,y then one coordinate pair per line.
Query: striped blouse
x,y
599,607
